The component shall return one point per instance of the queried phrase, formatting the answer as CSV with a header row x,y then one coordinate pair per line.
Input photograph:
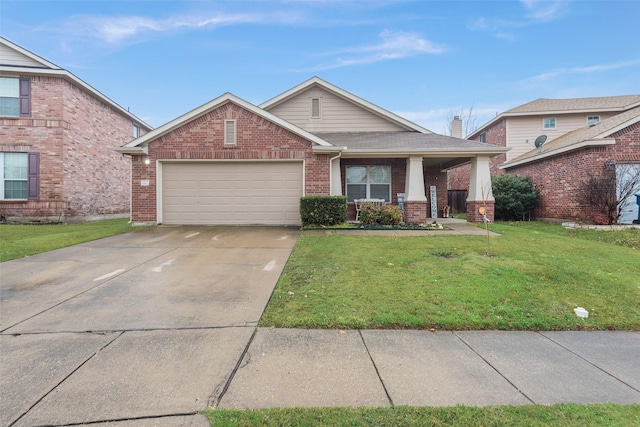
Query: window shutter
x,y
33,176
25,97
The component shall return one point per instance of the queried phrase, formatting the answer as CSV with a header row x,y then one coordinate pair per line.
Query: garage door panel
x,y
231,193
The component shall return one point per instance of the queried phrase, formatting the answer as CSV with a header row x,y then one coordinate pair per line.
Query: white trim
x,y
319,116
555,123
555,152
594,116
159,191
316,81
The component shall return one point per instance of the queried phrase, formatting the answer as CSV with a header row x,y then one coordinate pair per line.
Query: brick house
x,y
518,129
559,168
232,162
56,140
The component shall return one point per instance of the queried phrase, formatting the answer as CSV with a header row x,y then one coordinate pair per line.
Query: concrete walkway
x,y
304,368
152,327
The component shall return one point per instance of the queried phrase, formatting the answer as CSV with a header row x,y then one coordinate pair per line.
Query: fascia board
x,y
69,76
135,151
215,103
426,153
547,154
621,126
316,81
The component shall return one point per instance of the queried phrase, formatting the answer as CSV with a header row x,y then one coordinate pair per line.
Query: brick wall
x,y
458,178
203,139
558,178
80,174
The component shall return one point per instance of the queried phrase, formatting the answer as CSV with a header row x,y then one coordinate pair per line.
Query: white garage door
x,y
231,193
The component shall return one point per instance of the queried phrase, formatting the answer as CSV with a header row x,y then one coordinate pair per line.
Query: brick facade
x,y
203,139
74,132
558,178
417,212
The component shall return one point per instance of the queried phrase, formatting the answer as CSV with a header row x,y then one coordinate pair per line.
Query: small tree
x,y
607,195
514,196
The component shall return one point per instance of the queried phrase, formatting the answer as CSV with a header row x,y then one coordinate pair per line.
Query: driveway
x,y
147,324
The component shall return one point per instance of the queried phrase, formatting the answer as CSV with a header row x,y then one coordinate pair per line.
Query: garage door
x,y
231,193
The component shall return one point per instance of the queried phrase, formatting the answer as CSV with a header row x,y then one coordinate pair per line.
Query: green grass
x,y
533,415
17,241
536,275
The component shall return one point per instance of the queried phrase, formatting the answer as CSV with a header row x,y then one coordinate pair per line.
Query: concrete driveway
x,y
143,328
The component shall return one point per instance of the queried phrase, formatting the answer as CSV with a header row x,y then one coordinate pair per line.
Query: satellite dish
x,y
540,141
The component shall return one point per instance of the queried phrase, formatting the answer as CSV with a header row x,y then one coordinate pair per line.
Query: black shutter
x,y
33,176
25,97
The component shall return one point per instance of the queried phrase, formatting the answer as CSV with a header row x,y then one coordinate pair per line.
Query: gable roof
x,y
139,145
596,135
18,60
566,106
316,81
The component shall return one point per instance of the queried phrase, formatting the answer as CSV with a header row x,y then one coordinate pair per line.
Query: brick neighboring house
x,y
559,168
232,162
518,128
56,140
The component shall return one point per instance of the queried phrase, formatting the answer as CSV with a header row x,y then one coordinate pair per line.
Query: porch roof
x,y
404,144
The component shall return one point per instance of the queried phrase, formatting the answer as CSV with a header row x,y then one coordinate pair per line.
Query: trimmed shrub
x,y
390,215
514,196
323,210
371,214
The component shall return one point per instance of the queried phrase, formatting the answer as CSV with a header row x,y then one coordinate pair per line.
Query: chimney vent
x,y
456,127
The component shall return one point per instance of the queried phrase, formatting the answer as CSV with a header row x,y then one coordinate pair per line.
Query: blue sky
x,y
424,60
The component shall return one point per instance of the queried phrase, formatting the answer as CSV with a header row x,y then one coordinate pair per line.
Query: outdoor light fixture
x,y
609,165
146,161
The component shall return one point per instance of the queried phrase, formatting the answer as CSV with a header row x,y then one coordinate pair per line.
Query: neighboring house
x,y
232,162
559,168
519,127
56,140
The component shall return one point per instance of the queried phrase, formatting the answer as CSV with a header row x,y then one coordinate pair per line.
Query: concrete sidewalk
x,y
306,368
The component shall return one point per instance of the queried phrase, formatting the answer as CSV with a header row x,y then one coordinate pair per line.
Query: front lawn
x,y
531,415
536,275
19,240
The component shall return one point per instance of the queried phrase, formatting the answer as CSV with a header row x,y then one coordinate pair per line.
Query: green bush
x,y
323,210
383,215
369,214
514,196
390,215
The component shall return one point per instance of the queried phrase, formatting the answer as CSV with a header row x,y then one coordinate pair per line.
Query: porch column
x,y
415,199
336,180
480,194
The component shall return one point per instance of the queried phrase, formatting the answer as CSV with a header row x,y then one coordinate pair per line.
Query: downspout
x,y
331,172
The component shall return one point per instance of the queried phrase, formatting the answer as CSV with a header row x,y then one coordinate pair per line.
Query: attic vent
x,y
229,132
315,108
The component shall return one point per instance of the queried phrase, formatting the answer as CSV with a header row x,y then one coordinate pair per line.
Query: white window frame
x,y
311,102
368,183
230,139
483,137
16,97
593,120
136,130
2,179
547,124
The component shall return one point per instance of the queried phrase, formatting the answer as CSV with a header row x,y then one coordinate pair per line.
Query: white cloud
x,y
545,11
120,29
394,45
583,70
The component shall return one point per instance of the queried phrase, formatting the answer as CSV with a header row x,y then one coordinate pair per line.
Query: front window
x,y
14,171
15,100
368,182
549,123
